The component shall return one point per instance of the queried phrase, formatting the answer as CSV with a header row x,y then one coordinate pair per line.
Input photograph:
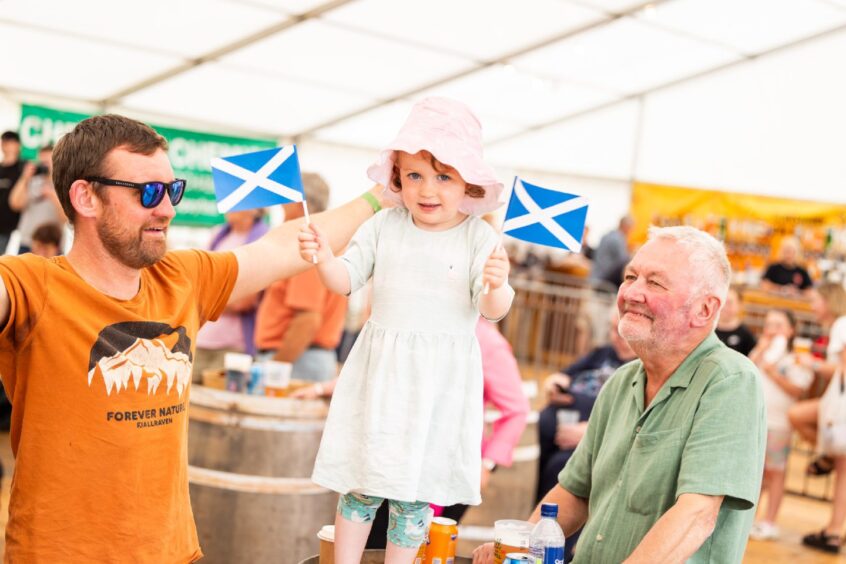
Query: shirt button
x,y
599,538
637,430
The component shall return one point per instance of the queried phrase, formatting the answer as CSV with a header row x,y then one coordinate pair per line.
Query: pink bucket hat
x,y
453,135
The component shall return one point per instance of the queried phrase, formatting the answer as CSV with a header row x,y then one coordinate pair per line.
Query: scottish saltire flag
x,y
546,216
256,180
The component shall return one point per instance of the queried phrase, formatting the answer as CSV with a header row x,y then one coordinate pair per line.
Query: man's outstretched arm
x,y
277,255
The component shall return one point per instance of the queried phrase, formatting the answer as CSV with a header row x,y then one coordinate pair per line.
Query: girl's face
x,y
432,196
776,323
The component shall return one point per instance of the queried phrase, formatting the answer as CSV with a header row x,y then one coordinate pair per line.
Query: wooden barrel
x,y
378,557
250,461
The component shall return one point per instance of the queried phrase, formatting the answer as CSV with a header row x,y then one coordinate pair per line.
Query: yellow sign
x,y
750,226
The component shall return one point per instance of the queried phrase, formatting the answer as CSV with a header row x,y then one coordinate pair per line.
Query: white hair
x,y
708,261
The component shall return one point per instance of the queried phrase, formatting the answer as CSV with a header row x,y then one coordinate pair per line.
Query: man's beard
x,y
127,247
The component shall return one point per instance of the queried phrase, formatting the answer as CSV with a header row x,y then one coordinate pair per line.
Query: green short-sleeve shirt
x,y
704,433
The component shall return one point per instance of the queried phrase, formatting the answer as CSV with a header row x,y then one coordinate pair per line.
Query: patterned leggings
x,y
407,521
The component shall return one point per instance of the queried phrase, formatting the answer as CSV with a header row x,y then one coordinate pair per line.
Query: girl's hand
x,y
313,244
497,268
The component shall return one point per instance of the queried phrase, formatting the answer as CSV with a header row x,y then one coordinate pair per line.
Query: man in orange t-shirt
x,y
299,320
96,350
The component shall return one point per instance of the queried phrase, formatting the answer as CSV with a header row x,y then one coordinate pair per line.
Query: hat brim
x,y
473,170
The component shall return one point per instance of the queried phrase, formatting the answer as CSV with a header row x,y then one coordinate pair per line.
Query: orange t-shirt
x,y
303,292
99,390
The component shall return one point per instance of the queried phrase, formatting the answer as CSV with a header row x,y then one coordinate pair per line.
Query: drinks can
x,y
235,380
443,538
421,552
237,368
518,558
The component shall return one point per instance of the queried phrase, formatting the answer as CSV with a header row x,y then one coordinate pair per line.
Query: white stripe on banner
x,y
545,217
252,180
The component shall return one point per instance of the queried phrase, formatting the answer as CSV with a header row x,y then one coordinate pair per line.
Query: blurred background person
x,y
730,329
11,168
574,389
235,328
784,381
299,320
612,254
34,197
787,275
47,240
829,304
587,251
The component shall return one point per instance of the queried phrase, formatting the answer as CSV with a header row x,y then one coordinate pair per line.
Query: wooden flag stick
x,y
308,222
487,287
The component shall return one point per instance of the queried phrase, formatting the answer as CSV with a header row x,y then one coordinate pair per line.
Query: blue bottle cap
x,y
549,510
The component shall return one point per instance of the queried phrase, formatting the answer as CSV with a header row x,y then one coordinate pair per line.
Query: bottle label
x,y
548,555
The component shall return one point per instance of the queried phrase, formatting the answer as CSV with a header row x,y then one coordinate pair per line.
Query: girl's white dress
x,y
405,421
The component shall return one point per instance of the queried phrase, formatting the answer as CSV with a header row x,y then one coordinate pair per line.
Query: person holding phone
x,y
571,394
35,198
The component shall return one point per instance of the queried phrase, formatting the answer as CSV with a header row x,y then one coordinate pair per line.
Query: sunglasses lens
x,y
177,190
151,195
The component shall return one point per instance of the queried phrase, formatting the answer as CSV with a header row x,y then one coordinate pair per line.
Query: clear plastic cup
x,y
510,535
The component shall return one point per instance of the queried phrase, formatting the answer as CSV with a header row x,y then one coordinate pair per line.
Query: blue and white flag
x,y
257,180
546,216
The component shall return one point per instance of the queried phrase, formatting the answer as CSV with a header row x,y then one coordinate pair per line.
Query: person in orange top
x,y
299,320
96,350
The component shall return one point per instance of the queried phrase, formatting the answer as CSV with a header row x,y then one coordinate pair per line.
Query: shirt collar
x,y
684,373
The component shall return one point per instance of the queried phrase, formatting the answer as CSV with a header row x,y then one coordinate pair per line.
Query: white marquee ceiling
x,y
347,71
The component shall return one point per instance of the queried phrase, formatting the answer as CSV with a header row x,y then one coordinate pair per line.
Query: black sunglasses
x,y
152,193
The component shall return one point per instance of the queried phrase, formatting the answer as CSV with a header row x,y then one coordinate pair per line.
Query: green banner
x,y
190,153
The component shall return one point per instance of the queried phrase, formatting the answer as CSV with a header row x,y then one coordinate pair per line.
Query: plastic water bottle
x,y
546,543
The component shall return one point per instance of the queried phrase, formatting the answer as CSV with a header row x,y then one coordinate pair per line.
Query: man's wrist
x,y
373,201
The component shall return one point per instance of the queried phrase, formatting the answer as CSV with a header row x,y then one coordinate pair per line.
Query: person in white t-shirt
x,y
829,304
784,381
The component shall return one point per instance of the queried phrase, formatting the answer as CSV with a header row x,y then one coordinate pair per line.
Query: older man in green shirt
x,y
670,467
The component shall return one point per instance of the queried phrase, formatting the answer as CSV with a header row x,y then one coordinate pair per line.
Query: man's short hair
x,y
708,260
81,152
48,234
10,136
316,192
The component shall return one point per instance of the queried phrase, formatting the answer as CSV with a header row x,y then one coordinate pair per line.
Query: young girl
x,y
784,382
405,423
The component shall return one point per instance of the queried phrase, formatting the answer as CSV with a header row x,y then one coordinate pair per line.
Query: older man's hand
x,y
484,554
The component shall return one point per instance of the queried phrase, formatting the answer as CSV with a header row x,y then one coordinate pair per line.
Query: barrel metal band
x,y
258,405
253,484
236,419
